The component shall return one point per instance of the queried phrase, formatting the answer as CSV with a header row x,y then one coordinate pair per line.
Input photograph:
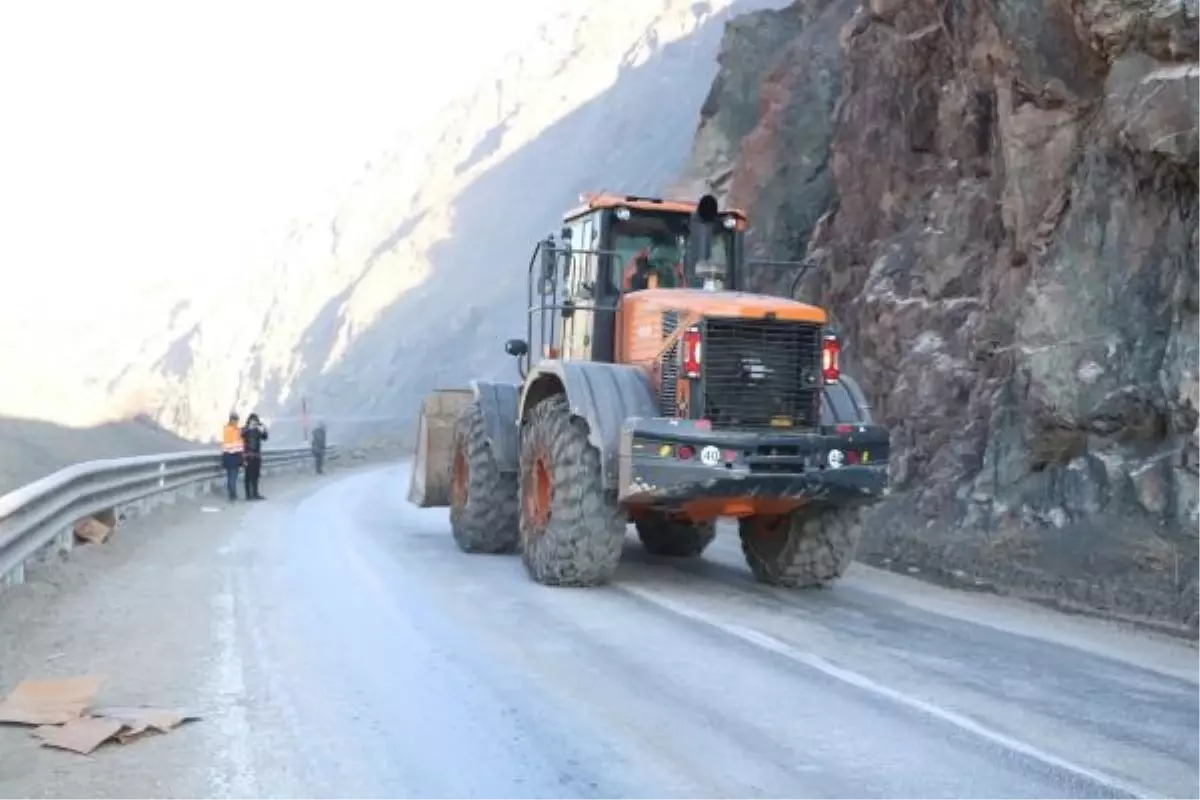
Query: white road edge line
x,y
228,682
862,682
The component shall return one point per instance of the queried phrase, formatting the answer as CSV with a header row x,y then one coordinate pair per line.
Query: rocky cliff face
x,y
998,201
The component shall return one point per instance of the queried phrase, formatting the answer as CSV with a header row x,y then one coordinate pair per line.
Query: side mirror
x,y
516,347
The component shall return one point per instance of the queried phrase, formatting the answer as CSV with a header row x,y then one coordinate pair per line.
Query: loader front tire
x,y
483,500
572,530
809,548
662,536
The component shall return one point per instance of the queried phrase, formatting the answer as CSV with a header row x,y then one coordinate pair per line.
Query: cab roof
x,y
590,201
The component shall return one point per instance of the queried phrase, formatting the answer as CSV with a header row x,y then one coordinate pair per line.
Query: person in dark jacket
x,y
253,435
318,446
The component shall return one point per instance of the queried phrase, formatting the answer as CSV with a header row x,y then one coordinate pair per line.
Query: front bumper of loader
x,y
675,466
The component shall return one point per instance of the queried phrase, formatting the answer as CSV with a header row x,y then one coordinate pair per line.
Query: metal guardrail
x,y
34,515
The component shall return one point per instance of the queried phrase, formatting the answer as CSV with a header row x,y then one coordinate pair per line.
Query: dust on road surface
x,y
337,644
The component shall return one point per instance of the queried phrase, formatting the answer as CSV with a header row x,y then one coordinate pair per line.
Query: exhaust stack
x,y
700,243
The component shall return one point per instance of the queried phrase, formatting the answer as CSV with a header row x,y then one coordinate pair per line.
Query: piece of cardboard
x,y
49,702
93,530
81,735
139,719
65,718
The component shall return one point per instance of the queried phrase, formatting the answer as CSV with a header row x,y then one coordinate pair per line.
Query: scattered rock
x,y
1153,107
1165,29
1083,488
1151,486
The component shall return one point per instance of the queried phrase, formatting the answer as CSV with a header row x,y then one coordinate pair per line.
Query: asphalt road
x,y
337,644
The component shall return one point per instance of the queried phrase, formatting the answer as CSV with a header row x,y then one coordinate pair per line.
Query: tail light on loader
x,y
831,348
691,353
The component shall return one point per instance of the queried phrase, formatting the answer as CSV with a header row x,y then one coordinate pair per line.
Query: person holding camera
x,y
253,435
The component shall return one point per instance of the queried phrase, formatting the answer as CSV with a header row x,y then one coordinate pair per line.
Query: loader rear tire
x,y
572,530
483,500
662,536
806,549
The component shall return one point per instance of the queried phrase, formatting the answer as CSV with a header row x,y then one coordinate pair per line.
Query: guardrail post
x,y
64,540
14,577
135,508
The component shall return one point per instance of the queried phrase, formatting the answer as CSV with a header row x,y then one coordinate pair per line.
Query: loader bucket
x,y
430,484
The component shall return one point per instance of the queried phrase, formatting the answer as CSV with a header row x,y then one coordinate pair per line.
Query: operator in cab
x,y
654,267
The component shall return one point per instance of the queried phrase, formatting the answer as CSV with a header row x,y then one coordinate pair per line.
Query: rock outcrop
x,y
998,204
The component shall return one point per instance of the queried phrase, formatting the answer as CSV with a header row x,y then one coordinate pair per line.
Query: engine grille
x,y
761,373
669,377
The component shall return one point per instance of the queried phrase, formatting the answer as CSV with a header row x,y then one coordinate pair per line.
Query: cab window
x,y
652,251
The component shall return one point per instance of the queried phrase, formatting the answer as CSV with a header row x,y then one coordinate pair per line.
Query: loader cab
x,y
611,246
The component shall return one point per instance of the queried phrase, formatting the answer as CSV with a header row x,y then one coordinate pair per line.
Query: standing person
x,y
318,446
232,448
253,435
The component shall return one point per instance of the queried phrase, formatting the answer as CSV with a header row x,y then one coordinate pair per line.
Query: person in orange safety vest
x,y
231,453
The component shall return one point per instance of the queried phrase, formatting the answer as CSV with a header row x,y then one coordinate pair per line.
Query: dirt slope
x,y
31,449
420,275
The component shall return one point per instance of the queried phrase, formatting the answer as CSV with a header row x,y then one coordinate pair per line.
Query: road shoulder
x,y
141,611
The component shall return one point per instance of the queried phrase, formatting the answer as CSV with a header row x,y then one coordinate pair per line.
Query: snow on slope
x,y
420,275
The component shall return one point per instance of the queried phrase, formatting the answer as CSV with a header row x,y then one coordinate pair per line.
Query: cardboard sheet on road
x,y
63,713
79,735
136,721
50,702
